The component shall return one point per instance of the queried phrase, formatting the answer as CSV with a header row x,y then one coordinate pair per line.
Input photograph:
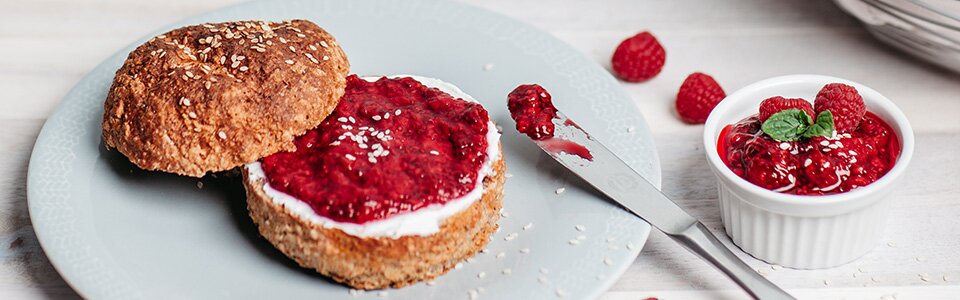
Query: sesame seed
x,y
528,226
508,175
608,261
561,293
343,119
292,49
481,275
326,57
192,115
574,242
351,119
501,255
324,44
222,135
434,152
244,68
431,283
200,185
372,159
525,250
376,117
350,156
826,282
560,190
510,237
580,228
289,61
631,246
397,112
382,294
507,271
184,101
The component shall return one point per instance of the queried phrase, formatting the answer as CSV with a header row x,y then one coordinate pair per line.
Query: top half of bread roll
x,y
210,97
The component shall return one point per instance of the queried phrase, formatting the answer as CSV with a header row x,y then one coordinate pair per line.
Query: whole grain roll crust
x,y
211,97
379,262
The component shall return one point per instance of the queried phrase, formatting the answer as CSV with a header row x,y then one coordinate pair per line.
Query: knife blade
x,y
580,153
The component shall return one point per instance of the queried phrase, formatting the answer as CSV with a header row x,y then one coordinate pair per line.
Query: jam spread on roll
x,y
391,146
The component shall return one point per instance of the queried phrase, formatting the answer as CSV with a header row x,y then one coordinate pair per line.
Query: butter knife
x,y
575,149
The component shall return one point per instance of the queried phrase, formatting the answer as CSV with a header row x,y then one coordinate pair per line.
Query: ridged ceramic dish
x,y
807,232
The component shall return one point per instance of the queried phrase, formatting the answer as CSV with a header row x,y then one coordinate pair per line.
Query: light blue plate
x,y
115,232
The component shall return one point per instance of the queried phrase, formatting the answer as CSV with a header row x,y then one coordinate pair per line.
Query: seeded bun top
x,y
211,97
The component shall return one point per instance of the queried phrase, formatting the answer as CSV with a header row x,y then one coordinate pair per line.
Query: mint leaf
x,y
823,127
787,125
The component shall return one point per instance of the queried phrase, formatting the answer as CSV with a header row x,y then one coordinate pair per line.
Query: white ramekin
x,y
806,232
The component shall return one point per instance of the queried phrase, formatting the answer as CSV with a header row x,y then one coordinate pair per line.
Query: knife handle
x,y
698,239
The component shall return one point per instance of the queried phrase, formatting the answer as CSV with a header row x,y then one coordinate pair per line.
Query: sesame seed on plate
x,y
501,255
528,226
507,271
608,261
574,242
560,190
525,250
580,228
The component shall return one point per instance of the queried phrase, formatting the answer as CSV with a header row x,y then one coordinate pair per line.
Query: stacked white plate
x,y
929,29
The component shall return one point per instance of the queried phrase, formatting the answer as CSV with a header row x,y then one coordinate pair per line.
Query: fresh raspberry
x,y
638,58
775,104
844,102
697,97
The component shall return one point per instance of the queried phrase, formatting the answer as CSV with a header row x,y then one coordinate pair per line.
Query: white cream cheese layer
x,y
422,222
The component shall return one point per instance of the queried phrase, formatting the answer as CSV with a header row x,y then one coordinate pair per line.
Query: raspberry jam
x,y
531,107
814,166
390,146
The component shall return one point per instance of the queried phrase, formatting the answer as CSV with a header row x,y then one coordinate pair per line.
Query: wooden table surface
x,y
47,46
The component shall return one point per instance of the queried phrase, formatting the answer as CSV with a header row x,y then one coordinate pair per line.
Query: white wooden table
x,y
47,46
